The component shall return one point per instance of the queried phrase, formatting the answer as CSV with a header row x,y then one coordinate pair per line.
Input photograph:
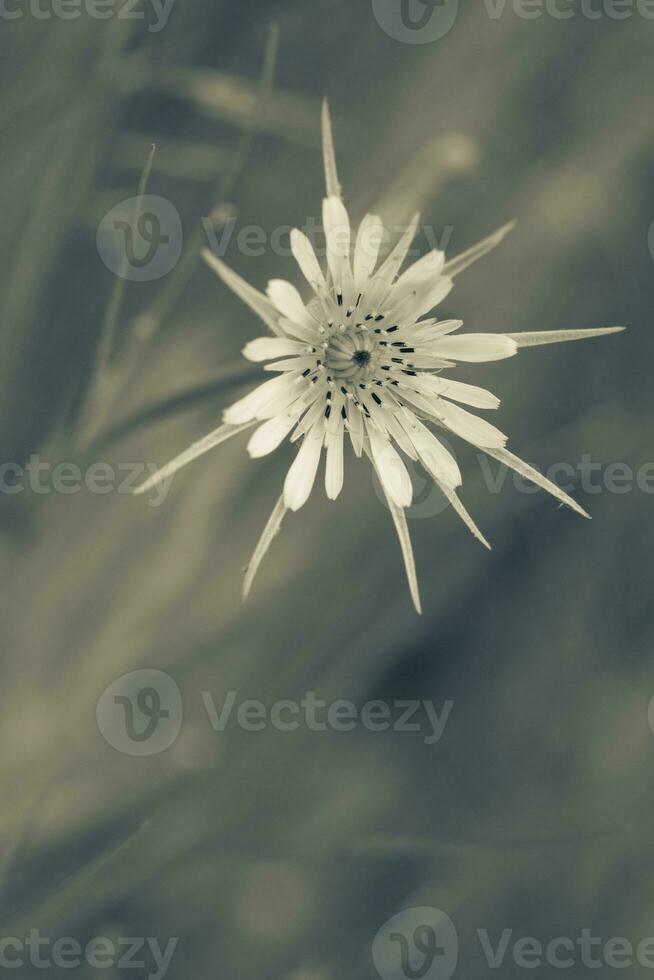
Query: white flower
x,y
364,359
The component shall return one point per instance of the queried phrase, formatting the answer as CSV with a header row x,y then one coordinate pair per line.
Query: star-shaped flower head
x,y
366,361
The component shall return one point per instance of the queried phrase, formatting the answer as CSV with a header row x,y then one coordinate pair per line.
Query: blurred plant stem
x,y
238,374
113,374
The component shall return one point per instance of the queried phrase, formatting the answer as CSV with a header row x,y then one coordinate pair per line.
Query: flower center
x,y
351,355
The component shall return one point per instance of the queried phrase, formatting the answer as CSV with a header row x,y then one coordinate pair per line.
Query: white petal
x,y
419,277
475,347
461,262
288,301
469,427
295,394
334,468
366,253
197,449
292,363
355,427
537,337
251,296
302,474
267,348
379,287
315,414
305,256
392,472
423,301
461,392
307,333
252,404
270,435
266,539
435,458
337,236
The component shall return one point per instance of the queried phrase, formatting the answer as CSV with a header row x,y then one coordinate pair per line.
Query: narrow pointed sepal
x,y
535,338
258,302
463,513
399,520
269,532
329,155
462,261
199,448
529,473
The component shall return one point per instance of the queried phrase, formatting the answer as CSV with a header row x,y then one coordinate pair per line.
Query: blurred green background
x,y
280,854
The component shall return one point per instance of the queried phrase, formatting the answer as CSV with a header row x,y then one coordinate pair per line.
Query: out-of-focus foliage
x,y
280,854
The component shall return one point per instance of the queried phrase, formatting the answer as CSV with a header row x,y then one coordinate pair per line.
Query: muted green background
x,y
278,855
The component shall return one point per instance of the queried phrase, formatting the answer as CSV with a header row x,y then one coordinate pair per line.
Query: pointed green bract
x,y
269,532
535,338
462,261
199,448
332,182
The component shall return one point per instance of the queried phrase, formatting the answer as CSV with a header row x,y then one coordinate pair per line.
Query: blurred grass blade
x,y
227,188
170,407
110,324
